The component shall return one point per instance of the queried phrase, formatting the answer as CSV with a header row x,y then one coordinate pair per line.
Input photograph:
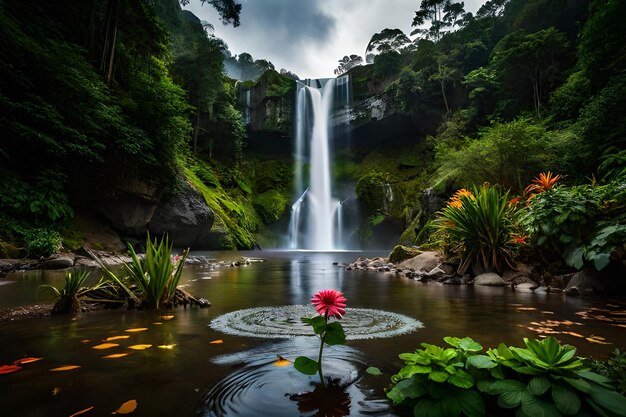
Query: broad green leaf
x,y
469,345
529,370
372,370
580,384
481,362
505,385
510,399
452,341
335,334
410,388
395,395
565,399
601,260
438,376
600,379
472,403
461,379
538,385
536,407
410,370
609,400
306,365
318,323
426,407
497,372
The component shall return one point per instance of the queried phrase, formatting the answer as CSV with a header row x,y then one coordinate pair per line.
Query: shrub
x,y
480,226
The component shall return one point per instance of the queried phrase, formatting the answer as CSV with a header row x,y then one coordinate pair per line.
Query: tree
x,y
385,41
347,63
442,15
536,60
229,10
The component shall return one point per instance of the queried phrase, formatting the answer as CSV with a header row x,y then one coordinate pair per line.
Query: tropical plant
x,y
546,378
481,226
67,297
156,275
543,182
436,382
614,368
543,379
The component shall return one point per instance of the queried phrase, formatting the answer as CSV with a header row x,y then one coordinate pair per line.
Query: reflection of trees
x,y
331,400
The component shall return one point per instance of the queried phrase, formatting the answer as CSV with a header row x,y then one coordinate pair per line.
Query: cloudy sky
x,y
308,37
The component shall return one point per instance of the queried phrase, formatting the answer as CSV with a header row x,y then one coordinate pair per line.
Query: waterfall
x,y
313,222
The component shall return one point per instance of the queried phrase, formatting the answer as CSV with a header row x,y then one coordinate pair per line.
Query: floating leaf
x,y
23,361
65,368
115,355
7,369
85,341
526,308
140,347
216,342
137,329
82,411
167,317
372,370
105,346
280,361
110,339
126,408
156,322
56,390
167,346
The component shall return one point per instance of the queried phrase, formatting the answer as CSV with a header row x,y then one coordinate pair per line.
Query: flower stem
x,y
319,358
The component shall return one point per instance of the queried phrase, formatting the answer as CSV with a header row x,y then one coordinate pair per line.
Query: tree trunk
x,y
195,132
443,93
114,41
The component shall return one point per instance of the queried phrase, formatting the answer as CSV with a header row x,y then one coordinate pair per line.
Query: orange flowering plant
x,y
327,303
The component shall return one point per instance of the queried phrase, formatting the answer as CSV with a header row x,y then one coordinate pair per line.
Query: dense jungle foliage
x,y
94,95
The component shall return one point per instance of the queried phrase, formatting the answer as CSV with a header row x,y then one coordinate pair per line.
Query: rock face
x,y
185,218
584,282
130,209
489,279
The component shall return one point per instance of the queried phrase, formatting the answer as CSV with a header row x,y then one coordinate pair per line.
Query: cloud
x,y
308,37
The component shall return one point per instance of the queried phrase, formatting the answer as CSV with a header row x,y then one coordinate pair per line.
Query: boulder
x,y
489,279
424,262
586,281
186,219
57,262
526,287
401,253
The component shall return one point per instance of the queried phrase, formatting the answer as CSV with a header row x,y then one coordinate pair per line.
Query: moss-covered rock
x,y
270,205
9,251
401,253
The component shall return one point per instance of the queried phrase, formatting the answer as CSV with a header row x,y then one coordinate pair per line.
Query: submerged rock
x,y
489,279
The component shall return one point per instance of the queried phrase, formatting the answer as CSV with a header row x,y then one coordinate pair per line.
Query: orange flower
x,y
519,239
513,202
544,182
455,200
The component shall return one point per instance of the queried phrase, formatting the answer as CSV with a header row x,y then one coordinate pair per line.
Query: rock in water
x,y
401,253
489,279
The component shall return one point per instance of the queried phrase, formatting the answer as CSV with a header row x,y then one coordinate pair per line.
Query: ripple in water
x,y
284,321
258,388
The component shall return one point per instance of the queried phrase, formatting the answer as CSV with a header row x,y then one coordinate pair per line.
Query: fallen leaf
x,y
168,317
126,408
592,340
156,322
619,325
547,312
82,411
7,369
115,355
65,368
166,346
105,346
139,347
85,341
137,329
56,390
280,361
526,308
110,339
216,342
26,360
574,334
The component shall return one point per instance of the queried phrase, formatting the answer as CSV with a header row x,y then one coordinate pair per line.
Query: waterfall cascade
x,y
316,212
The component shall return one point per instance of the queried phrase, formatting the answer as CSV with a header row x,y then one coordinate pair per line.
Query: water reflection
x,y
258,388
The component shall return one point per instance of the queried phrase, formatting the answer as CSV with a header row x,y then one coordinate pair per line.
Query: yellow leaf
x,y
56,390
105,346
166,346
82,411
526,308
138,329
65,368
85,341
216,342
592,340
168,317
115,355
110,339
26,360
156,322
280,361
139,347
126,408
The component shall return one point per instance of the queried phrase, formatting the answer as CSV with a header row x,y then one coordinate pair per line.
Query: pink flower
x,y
329,301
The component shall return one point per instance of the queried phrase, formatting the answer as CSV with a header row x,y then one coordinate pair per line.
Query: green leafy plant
x,y
543,379
436,382
481,225
614,368
156,275
546,378
67,297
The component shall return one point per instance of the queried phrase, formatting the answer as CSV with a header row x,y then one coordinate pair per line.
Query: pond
x,y
192,368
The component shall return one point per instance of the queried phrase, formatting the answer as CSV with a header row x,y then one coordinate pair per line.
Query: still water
x,y
201,371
